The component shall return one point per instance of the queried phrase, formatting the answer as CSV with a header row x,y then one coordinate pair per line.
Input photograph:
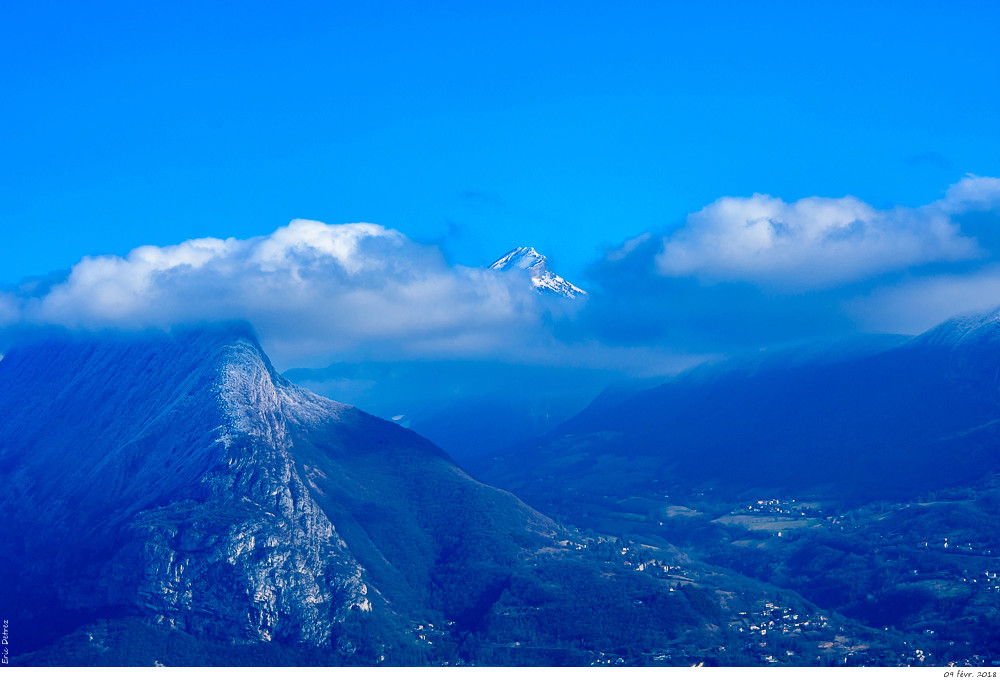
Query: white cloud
x,y
318,292
809,244
972,193
312,290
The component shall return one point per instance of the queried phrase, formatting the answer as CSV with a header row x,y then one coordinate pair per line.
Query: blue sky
x,y
476,126
720,176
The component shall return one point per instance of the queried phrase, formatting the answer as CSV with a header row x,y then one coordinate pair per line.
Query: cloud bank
x,y
746,272
741,273
811,243
310,289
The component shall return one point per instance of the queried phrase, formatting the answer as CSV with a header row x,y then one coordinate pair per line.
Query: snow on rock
x,y
543,279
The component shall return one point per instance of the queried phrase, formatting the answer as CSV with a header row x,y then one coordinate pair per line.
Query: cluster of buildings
x,y
773,506
776,619
426,633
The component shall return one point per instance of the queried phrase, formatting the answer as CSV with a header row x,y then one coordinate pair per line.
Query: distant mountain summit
x,y
543,279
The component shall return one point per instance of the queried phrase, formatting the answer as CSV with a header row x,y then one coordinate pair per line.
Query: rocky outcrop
x,y
236,549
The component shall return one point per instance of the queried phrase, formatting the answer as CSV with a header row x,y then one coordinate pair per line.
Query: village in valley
x,y
891,583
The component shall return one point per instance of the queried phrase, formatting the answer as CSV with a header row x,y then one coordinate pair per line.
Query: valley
x,y
236,518
921,573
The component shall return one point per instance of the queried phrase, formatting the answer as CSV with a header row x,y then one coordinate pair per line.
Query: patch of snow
x,y
519,258
542,278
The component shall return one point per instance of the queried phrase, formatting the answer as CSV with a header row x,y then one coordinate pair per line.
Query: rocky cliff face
x,y
179,479
165,484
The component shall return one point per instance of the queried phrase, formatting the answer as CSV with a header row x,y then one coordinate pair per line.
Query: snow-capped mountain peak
x,y
543,279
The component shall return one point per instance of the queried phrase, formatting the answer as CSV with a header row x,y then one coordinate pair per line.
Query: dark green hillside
x,y
889,423
171,499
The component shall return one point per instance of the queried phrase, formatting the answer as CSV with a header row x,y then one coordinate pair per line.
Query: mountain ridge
x,y
171,483
543,279
139,502
876,420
